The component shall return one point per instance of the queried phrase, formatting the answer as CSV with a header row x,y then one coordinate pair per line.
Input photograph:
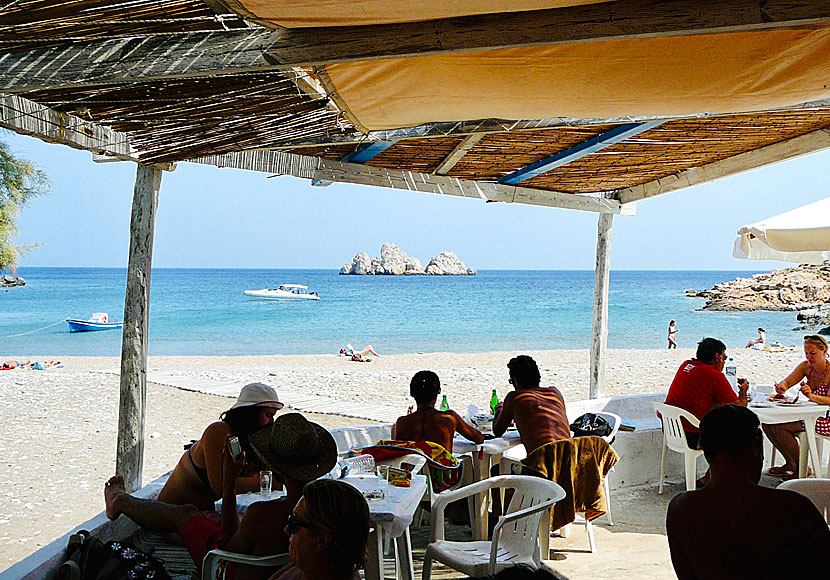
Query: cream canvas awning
x,y
801,236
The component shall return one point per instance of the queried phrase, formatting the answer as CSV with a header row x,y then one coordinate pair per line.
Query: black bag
x,y
88,558
590,424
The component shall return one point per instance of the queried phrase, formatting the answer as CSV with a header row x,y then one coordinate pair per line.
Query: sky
x,y
227,218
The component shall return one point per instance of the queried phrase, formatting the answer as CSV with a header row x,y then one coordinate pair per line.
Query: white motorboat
x,y
284,292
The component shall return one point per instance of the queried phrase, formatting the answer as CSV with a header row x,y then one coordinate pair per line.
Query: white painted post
x,y
602,275
130,453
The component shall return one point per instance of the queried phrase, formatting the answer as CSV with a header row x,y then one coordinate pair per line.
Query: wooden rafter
x,y
460,151
280,163
194,54
29,118
811,142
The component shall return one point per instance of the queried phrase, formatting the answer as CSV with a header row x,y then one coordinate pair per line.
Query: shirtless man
x,y
427,423
734,528
296,449
539,412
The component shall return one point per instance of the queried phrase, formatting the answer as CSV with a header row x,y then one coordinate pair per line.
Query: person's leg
x,y
369,350
783,437
152,515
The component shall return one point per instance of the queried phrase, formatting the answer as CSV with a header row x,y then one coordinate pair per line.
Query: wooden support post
x,y
602,275
130,454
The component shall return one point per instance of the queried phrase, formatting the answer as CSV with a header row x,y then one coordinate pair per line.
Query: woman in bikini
x,y
197,478
427,423
672,332
815,372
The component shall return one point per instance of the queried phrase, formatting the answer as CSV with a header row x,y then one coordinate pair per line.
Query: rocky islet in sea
x,y
10,281
394,262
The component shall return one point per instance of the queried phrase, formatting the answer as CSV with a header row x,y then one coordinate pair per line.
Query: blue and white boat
x,y
284,292
98,321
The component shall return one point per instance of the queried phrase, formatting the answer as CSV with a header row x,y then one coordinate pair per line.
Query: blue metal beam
x,y
361,154
592,145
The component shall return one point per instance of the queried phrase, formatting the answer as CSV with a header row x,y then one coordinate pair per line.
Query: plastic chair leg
x,y
427,573
589,528
691,470
662,465
607,500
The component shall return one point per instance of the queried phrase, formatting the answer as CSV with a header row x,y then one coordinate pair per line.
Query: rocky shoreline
x,y
11,281
394,262
786,290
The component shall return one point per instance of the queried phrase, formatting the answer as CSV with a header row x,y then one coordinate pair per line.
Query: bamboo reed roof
x,y
186,116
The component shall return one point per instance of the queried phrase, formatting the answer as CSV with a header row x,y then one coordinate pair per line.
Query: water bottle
x,y
494,401
732,374
445,406
358,464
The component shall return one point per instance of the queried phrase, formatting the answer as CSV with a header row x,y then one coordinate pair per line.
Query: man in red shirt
x,y
700,385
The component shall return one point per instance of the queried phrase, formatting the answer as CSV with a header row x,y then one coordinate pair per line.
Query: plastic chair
x,y
816,489
674,438
803,452
514,537
431,495
214,557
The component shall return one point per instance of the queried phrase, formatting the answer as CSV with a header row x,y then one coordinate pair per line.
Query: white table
x,y
391,515
771,414
482,460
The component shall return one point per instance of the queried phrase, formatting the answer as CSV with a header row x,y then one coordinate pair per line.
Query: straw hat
x,y
258,394
295,447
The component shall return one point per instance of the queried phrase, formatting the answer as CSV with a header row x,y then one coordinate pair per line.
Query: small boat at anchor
x,y
98,321
284,292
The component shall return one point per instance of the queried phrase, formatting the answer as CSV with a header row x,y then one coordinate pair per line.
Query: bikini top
x,y
823,377
201,472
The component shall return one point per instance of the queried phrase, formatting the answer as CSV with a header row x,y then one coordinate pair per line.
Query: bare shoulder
x,y
265,512
217,429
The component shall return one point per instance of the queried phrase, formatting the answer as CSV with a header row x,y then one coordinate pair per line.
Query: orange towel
x,y
578,465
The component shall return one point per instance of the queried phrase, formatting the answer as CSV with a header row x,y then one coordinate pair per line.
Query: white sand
x,y
58,427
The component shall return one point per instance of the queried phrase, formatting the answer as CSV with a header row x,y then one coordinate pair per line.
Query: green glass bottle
x,y
494,400
445,406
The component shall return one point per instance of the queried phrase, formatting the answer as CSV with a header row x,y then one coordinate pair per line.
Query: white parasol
x,y
801,236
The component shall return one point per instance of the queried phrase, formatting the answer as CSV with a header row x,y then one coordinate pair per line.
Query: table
x,y
482,460
391,515
771,414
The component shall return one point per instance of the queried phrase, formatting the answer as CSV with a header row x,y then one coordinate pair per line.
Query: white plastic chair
x,y
674,438
816,489
803,451
465,479
214,557
514,537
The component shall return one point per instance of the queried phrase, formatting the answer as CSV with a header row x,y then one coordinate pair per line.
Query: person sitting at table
x,y
815,371
761,340
293,448
197,477
427,423
735,528
329,529
539,412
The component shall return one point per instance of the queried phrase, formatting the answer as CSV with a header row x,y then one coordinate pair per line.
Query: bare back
x,y
753,532
262,533
429,424
539,414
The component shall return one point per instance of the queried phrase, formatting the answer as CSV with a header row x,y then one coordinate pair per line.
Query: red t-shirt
x,y
697,387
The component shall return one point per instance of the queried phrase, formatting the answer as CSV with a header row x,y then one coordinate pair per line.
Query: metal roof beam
x,y
782,151
281,163
198,53
587,147
367,151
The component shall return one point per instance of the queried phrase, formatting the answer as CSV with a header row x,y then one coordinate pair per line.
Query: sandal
x,y
794,474
782,470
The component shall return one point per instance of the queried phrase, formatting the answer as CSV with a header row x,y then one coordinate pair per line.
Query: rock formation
x,y
394,262
789,289
814,317
9,281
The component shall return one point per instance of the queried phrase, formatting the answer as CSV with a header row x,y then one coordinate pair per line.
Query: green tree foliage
x,y
20,181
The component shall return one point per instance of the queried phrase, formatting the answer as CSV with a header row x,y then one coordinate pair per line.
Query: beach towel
x,y
445,469
578,466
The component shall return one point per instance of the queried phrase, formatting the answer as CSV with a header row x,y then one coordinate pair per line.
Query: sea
x,y
204,312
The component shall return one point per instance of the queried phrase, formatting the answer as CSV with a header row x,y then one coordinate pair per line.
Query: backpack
x,y
590,424
88,558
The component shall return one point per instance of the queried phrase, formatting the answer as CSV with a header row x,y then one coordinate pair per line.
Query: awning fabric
x,y
800,236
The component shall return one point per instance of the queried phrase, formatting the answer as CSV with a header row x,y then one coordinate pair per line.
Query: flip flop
x,y
781,470
794,474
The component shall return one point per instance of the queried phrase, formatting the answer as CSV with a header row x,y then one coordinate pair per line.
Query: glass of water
x,y
265,480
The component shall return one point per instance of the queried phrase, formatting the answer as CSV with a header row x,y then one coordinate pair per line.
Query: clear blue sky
x,y
212,217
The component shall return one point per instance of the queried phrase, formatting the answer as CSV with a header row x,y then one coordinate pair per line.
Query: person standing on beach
x,y
293,448
539,412
672,332
699,385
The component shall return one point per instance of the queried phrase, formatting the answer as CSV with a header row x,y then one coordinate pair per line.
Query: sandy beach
x,y
58,426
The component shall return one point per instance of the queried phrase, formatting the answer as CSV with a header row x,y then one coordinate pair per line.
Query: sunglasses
x,y
293,523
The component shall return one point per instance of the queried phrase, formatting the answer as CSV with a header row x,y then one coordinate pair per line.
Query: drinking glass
x,y
265,479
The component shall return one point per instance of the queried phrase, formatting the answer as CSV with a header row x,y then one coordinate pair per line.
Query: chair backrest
x,y
414,459
520,536
348,437
613,420
818,490
673,426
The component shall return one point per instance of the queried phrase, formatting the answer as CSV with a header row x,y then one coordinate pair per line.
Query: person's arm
x,y
212,444
230,514
504,415
394,433
808,392
743,387
792,379
676,533
466,430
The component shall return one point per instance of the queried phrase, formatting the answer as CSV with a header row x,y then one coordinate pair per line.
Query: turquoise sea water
x,y
203,312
